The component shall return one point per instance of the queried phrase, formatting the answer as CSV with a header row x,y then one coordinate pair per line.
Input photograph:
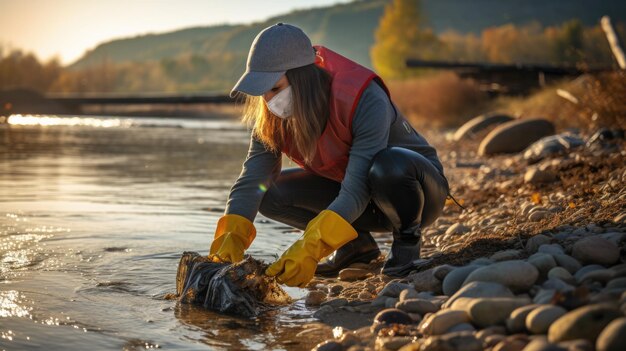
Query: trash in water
x,y
240,288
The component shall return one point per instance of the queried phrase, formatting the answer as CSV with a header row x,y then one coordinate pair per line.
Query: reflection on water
x,y
94,215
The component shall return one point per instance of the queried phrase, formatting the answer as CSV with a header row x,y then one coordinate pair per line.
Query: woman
x,y
362,166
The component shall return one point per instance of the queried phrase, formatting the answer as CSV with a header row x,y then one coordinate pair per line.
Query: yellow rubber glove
x,y
324,234
233,236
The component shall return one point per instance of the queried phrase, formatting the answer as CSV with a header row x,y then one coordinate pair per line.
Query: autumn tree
x,y
401,34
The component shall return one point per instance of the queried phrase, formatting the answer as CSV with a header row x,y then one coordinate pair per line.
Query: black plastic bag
x,y
240,288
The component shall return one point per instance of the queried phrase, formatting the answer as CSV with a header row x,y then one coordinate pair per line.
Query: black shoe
x,y
404,255
363,249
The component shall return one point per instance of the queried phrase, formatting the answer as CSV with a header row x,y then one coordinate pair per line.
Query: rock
x,y
543,262
458,341
617,284
462,327
538,176
541,344
388,317
561,273
478,124
539,319
595,249
517,275
552,249
506,255
485,312
352,274
532,244
442,271
614,237
338,302
454,280
552,145
586,269
613,337
544,296
392,342
419,306
570,263
538,215
439,323
583,323
328,345
391,302
515,136
557,284
599,275
409,293
315,298
510,345
381,301
516,323
479,289
457,229
335,290
393,289
577,345
425,281
323,312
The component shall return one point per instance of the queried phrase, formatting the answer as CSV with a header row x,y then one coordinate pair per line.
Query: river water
x,y
94,215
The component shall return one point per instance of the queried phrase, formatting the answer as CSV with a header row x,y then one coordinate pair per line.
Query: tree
x,y
401,35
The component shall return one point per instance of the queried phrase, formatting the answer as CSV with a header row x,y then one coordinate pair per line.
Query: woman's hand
x,y
324,234
233,236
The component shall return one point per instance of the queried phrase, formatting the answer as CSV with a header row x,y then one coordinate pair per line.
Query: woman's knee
x,y
271,204
389,166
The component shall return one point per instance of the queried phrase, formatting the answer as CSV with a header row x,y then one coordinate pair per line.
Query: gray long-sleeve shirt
x,y
377,124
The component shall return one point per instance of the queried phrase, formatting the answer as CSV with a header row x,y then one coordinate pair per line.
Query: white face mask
x,y
281,104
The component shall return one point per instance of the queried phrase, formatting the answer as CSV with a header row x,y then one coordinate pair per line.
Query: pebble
x,y
561,273
442,271
538,215
352,274
425,281
439,323
617,284
538,176
462,327
391,302
510,345
393,289
586,269
458,341
583,323
381,301
409,293
506,255
577,345
457,229
419,306
532,244
335,290
479,289
315,298
454,280
539,319
599,275
543,262
390,316
494,311
328,345
338,302
568,262
552,249
323,312
595,249
514,136
541,344
517,275
613,337
516,323
392,342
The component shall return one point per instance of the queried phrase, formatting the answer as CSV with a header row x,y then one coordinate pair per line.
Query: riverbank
x,y
536,238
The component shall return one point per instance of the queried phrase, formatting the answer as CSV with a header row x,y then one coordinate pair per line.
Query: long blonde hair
x,y
310,85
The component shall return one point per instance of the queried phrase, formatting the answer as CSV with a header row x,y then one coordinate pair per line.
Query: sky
x,y
67,28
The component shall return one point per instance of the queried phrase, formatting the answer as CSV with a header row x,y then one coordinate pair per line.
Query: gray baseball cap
x,y
274,50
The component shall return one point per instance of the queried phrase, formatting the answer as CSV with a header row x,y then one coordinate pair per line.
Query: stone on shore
x,y
595,249
485,312
539,319
439,323
479,289
585,322
457,341
352,274
568,262
515,136
479,124
516,323
613,337
419,306
533,243
315,298
517,275
454,280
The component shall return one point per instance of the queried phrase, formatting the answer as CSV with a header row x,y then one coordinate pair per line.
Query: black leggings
x,y
407,192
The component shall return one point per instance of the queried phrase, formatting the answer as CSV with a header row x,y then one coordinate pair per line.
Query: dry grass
x,y
600,102
438,100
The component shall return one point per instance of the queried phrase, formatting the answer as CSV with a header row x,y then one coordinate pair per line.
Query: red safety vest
x,y
349,80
